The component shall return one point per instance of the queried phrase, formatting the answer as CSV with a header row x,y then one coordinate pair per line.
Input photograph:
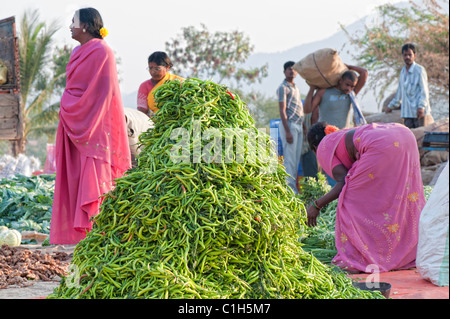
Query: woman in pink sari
x,y
380,194
91,144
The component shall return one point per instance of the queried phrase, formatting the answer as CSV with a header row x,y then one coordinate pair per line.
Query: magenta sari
x,y
379,206
91,143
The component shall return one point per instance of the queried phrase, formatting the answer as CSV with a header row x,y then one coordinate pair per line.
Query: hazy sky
x,y
137,28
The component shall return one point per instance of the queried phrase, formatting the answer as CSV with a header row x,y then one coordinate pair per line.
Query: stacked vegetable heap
x,y
319,240
201,221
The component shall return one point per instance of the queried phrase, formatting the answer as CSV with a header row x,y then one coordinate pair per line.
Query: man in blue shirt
x,y
412,93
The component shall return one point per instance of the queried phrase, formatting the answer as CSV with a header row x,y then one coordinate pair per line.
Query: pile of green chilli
x,y
200,221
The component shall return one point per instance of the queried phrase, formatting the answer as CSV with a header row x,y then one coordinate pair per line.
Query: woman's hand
x,y
339,174
312,213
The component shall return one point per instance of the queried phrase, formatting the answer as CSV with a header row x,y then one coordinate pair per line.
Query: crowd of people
x,y
374,168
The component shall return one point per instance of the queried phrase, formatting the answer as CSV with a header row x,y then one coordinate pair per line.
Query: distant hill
x,y
275,61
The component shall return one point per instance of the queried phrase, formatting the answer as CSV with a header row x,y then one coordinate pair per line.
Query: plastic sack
x,y
23,165
137,123
432,250
7,166
50,161
20,165
275,136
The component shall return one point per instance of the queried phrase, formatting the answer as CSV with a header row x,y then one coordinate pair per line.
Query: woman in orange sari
x,y
159,65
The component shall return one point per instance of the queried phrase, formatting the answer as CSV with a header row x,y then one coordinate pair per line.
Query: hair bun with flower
x,y
103,32
330,129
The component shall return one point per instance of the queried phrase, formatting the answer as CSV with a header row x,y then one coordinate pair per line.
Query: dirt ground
x,y
40,288
406,284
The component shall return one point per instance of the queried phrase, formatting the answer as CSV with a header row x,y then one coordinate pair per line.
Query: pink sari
x,y
379,206
91,143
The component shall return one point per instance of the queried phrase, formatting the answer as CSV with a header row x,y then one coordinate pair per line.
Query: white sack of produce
x,y
432,250
322,68
137,123
22,164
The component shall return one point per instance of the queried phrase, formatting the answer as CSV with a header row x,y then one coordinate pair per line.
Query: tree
x,y
379,46
39,77
262,108
44,119
200,53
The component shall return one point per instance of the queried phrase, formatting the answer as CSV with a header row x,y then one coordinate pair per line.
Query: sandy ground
x,y
39,289
406,284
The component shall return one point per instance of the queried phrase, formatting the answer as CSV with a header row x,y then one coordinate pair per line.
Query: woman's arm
x,y
339,173
142,99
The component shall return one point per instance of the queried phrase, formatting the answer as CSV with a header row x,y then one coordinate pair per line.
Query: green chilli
x,y
217,221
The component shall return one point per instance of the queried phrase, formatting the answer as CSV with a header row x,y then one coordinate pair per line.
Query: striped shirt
x,y
290,94
412,92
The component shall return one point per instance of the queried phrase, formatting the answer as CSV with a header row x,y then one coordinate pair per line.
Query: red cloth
x,y
142,97
91,144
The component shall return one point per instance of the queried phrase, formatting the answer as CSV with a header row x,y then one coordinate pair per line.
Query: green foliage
x,y
319,240
61,58
313,188
26,202
262,108
34,45
42,75
202,54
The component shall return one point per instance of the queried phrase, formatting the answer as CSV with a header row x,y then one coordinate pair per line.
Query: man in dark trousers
x,y
412,93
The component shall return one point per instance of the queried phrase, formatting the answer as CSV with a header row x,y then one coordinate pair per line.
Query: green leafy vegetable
x,y
26,202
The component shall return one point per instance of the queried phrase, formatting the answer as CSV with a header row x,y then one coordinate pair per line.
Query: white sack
x,y
432,259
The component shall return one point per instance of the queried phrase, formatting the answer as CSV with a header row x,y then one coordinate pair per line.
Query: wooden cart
x,y
11,121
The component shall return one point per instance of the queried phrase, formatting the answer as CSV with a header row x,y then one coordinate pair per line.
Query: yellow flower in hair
x,y
103,32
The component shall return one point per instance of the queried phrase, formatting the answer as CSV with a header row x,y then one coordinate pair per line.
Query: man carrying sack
x,y
337,85
333,86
